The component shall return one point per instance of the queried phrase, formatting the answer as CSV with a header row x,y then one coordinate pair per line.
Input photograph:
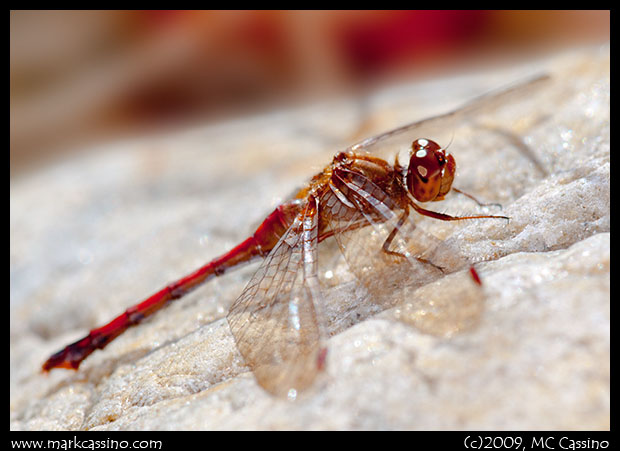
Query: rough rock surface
x,y
91,236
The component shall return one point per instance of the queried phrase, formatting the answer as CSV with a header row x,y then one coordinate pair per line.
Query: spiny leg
x,y
392,235
445,217
480,204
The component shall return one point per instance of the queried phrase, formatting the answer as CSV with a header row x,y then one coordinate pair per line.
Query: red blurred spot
x,y
392,36
474,275
320,364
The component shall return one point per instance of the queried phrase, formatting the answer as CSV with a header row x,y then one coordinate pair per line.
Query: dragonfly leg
x,y
492,204
392,235
445,217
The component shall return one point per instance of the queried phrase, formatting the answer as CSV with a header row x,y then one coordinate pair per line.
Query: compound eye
x,y
427,158
425,169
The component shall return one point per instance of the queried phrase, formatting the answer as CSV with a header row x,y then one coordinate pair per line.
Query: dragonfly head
x,y
430,172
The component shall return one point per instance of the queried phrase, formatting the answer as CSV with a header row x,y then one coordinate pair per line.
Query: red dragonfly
x,y
277,321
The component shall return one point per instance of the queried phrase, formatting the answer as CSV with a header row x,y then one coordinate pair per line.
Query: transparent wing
x,y
441,127
393,258
274,321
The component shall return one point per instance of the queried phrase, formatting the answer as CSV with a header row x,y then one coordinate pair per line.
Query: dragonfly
x,y
369,207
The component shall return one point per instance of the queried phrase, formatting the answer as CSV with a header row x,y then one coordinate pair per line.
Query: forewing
x,y
274,321
443,127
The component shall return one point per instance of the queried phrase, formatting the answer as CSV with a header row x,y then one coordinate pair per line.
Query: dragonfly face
x,y
431,171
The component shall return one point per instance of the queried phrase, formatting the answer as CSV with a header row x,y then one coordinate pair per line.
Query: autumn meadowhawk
x,y
370,208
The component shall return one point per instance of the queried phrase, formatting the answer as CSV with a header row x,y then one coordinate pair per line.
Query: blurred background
x,y
83,77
